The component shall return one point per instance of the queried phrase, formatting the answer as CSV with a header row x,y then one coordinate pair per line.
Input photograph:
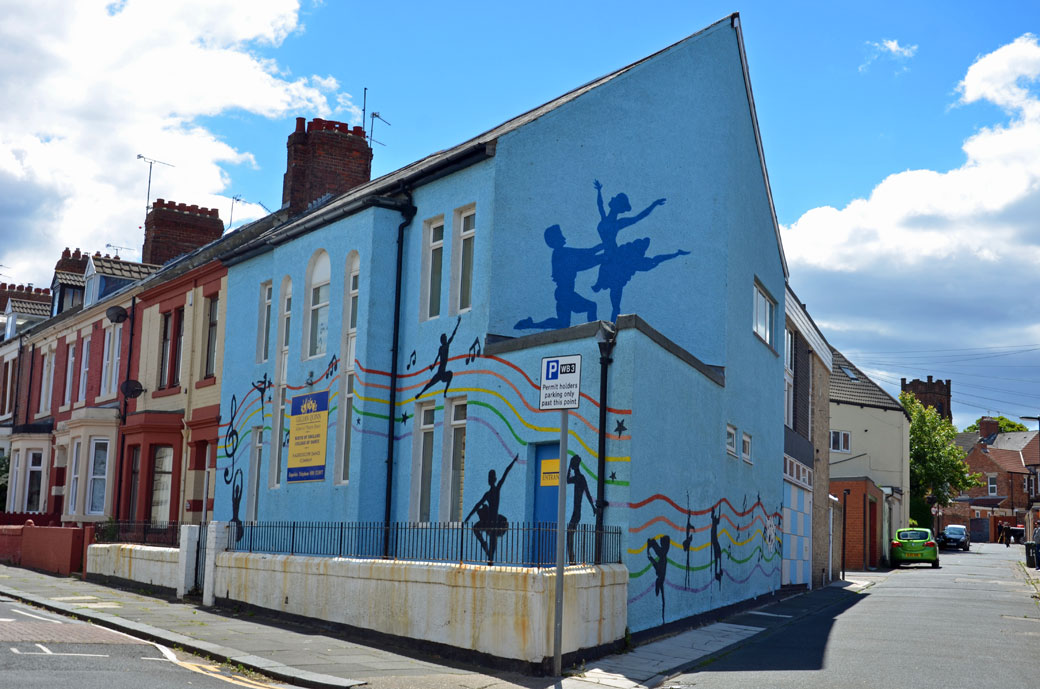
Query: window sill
x,y
78,405
206,382
166,392
731,453
63,408
763,341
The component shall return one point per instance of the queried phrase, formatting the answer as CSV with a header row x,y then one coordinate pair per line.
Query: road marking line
x,y
768,614
6,619
35,617
48,652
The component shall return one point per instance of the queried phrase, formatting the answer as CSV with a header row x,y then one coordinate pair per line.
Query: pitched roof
x,y
1008,460
30,308
66,278
482,147
125,270
849,385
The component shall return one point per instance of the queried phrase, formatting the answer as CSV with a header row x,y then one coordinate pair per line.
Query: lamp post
x,y
844,520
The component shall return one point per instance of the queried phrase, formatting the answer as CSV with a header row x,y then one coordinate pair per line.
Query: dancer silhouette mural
x,y
490,524
566,264
443,375
617,264
581,489
659,547
716,547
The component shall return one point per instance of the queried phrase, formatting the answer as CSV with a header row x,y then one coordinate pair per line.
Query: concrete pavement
x,y
312,656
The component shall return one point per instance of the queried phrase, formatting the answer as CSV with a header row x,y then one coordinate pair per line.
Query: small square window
x,y
731,439
840,441
745,449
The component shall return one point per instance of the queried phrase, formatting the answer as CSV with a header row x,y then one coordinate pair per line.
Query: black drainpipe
x,y
606,347
407,210
122,415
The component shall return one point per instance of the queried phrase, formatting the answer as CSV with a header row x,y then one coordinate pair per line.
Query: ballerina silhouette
x,y
660,547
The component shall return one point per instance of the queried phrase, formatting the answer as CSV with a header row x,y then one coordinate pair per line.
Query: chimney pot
x,y
300,124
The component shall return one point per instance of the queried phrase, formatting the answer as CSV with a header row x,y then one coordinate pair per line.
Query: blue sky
x,y
898,137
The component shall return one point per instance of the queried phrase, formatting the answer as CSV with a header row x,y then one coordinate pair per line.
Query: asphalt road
x,y
41,649
972,623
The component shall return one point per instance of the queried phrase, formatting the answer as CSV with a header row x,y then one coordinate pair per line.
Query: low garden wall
x,y
501,611
144,564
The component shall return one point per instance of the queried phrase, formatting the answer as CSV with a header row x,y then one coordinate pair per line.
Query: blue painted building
x,y
640,198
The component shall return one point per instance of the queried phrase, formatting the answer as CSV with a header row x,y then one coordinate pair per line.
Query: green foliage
x,y
937,465
920,512
1006,425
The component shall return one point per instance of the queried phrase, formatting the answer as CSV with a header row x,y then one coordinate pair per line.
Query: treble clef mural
x,y
233,475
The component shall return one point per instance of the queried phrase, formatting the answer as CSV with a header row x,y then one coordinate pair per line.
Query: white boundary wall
x,y
504,611
141,563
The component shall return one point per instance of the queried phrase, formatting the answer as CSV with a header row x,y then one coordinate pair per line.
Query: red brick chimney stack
x,y
324,157
174,229
72,261
988,426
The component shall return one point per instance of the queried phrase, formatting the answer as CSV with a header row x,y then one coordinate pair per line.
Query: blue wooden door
x,y
543,541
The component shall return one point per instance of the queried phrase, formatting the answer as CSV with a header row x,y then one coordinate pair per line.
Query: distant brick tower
x,y
324,158
931,393
173,229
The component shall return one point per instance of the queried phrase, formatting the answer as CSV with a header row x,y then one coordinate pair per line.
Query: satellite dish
x,y
116,314
131,388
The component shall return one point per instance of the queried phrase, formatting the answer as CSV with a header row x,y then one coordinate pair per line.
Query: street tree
x,y
937,467
1006,425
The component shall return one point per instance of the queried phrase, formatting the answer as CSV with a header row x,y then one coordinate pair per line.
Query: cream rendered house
x,y
870,437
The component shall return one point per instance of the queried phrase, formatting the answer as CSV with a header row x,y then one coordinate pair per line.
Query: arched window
x,y
317,315
348,347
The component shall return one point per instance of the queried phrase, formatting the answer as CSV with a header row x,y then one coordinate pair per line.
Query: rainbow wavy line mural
x,y
719,537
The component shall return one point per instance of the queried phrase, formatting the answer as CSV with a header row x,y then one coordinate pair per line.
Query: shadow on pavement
x,y
796,644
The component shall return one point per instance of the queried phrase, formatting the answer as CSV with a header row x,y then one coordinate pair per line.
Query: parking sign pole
x,y
561,535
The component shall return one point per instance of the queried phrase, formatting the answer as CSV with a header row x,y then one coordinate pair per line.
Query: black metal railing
x,y
520,544
142,533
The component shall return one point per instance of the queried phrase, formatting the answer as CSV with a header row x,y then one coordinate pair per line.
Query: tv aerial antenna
x,y
237,198
372,125
148,195
119,248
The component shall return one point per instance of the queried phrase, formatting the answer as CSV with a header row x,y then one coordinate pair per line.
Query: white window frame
x,y
31,469
13,484
264,322
9,390
991,480
157,475
84,370
94,478
844,441
452,480
461,272
731,439
46,383
111,354
319,275
281,374
432,248
788,378
212,351
348,347
746,450
425,438
764,314
70,373
72,506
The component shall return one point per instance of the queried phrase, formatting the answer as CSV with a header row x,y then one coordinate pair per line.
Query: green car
x,y
914,545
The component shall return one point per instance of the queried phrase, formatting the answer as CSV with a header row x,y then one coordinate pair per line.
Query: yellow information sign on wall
x,y
549,472
308,434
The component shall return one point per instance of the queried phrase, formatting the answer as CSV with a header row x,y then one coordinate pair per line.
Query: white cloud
x,y
920,216
87,86
889,48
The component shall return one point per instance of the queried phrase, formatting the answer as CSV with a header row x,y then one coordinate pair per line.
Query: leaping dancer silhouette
x,y
688,541
442,374
716,547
